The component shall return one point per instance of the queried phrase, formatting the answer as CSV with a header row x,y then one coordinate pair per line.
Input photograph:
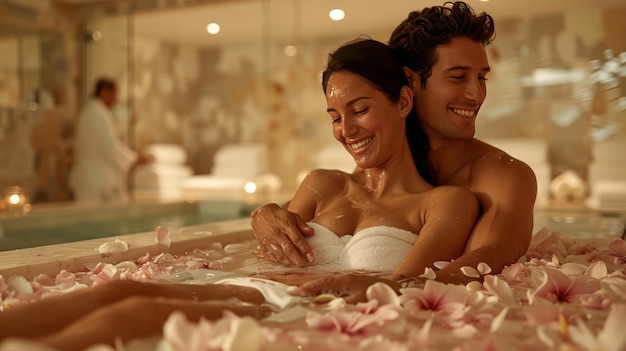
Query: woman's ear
x,y
405,102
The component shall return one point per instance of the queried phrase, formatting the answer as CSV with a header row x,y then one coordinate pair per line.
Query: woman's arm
x,y
506,189
136,317
448,221
56,312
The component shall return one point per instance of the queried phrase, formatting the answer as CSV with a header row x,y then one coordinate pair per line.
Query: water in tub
x,y
62,225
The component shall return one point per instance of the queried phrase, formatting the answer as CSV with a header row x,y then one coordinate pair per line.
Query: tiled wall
x,y
545,85
35,152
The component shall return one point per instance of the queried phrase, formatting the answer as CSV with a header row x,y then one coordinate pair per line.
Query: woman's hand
x,y
281,236
352,287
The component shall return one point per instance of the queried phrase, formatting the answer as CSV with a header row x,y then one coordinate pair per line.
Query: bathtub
x,y
588,236
221,222
48,225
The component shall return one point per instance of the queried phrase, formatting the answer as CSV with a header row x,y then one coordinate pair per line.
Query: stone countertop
x,y
73,256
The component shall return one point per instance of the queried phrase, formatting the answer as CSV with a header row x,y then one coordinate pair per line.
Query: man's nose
x,y
476,90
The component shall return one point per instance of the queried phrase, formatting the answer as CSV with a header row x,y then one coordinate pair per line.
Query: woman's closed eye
x,y
361,111
337,119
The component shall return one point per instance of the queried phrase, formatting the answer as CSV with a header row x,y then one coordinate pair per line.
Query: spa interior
x,y
225,95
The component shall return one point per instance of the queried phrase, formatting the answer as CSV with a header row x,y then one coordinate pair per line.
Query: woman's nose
x,y
348,127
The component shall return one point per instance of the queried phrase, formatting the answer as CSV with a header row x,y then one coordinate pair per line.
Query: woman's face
x,y
369,125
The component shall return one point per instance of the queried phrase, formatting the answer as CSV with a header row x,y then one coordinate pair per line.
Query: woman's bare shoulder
x,y
451,191
326,180
451,197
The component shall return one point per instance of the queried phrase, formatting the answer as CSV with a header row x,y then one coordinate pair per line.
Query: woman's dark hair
x,y
378,64
417,38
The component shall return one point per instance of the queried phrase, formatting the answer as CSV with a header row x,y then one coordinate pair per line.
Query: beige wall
x,y
541,89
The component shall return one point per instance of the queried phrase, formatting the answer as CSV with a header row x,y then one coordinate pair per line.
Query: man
x,y
101,159
443,51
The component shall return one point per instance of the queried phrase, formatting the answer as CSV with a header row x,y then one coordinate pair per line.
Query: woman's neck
x,y
399,174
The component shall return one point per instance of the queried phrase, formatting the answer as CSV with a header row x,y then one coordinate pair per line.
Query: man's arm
x,y
506,191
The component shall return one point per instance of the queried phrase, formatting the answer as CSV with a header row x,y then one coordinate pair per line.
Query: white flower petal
x,y
470,272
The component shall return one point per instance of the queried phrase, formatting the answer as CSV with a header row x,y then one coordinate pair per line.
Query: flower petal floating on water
x,y
162,236
115,246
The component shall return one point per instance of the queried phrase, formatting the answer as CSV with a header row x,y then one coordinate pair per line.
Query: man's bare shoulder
x,y
490,160
497,173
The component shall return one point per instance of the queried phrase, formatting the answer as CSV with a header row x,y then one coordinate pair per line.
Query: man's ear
x,y
409,75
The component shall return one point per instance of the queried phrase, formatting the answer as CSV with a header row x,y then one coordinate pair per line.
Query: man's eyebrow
x,y
350,103
465,68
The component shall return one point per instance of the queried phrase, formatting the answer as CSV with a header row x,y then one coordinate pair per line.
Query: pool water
x,y
582,223
75,224
61,225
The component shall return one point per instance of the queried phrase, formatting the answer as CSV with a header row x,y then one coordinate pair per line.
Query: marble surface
x,y
73,256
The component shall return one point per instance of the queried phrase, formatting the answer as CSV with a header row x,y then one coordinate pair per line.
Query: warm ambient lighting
x,y
15,202
213,28
291,50
96,35
14,199
250,187
336,14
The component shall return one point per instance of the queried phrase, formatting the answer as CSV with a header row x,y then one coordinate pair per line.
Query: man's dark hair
x,y
417,38
103,84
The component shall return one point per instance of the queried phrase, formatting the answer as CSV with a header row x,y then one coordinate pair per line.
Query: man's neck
x,y
448,157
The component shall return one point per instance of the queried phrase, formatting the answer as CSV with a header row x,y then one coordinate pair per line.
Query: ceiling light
x,y
336,14
213,28
291,50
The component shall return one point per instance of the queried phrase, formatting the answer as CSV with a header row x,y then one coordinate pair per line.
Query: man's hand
x,y
281,236
352,287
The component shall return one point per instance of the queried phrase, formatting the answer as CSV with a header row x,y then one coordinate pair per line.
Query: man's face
x,y
109,96
448,105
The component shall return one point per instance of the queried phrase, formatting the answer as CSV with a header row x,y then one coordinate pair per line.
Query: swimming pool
x,y
582,223
69,223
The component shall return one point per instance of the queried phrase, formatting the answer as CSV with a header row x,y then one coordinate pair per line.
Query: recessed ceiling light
x,y
291,50
213,28
336,14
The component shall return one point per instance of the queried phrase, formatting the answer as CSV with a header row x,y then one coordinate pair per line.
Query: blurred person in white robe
x,y
102,161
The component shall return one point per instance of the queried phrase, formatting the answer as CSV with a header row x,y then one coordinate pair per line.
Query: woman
x,y
370,104
402,223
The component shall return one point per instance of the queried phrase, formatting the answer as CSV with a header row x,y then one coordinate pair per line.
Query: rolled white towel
x,y
167,153
209,182
326,245
609,191
160,175
568,186
376,249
